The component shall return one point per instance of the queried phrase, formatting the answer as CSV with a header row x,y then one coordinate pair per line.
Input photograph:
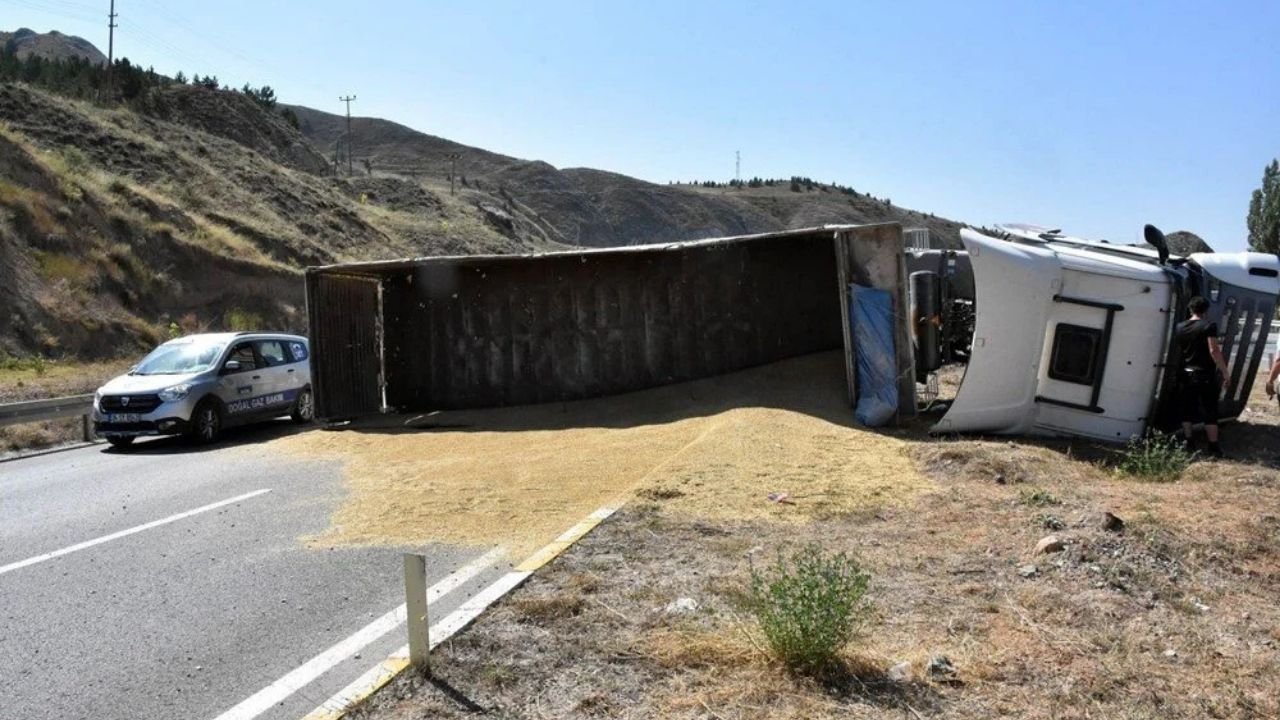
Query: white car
x,y
199,385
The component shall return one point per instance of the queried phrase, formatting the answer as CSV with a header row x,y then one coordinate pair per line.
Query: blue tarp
x,y
871,321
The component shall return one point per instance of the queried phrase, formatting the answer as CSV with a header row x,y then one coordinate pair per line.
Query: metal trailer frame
x,y
447,333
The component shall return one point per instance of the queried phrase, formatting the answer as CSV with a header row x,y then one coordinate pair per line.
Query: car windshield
x,y
181,357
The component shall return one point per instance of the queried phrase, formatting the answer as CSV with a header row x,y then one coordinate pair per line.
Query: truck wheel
x,y
120,442
206,422
304,408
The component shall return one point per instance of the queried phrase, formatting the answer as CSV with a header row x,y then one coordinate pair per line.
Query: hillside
x,y
25,43
595,208
115,224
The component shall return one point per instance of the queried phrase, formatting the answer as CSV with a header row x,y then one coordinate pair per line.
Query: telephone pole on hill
x,y
453,160
348,99
737,166
111,43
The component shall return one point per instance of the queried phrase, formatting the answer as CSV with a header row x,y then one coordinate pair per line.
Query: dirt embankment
x,y
114,224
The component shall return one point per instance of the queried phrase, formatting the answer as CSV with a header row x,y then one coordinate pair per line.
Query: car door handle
x,y
291,369
257,377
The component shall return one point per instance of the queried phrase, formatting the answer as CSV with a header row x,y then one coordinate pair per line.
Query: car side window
x,y
243,354
272,352
298,351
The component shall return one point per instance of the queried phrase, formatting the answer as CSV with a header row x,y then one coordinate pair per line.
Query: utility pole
x,y
111,43
737,166
348,99
453,159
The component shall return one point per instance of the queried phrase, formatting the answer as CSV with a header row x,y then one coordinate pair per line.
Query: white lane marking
x,y
125,533
471,609
440,632
266,698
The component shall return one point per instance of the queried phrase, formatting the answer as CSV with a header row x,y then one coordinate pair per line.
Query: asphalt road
x,y
192,613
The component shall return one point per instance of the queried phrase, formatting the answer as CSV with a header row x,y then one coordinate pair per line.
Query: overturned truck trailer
x,y
446,333
1075,337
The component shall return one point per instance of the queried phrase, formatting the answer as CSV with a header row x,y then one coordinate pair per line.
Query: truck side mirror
x,y
1156,239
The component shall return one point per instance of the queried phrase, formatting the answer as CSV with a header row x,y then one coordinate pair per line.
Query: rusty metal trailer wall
x,y
346,371
481,333
465,332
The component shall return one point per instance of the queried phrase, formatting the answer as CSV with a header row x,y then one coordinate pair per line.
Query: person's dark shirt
x,y
1193,343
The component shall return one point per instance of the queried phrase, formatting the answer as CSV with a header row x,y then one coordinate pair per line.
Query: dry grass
x,y
64,268
26,437
31,380
1173,617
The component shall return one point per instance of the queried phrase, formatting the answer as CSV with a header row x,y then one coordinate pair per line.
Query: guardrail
x,y
54,409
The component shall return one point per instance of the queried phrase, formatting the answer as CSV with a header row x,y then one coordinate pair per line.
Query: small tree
x,y
180,78
209,82
1264,212
291,117
264,96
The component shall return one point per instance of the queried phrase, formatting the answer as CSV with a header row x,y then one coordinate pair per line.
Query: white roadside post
x,y
415,601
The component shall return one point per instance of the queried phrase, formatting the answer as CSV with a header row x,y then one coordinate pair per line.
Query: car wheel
x,y
120,442
304,408
206,422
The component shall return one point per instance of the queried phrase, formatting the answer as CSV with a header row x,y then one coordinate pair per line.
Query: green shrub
x,y
1155,456
35,363
1049,522
809,606
237,320
1037,497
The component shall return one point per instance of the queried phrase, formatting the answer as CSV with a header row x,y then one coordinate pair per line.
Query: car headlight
x,y
175,393
97,400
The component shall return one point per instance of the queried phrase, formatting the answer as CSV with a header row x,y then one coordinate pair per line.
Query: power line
x,y
209,39
348,100
66,12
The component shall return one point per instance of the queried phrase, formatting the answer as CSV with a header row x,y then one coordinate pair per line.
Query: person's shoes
x,y
1214,451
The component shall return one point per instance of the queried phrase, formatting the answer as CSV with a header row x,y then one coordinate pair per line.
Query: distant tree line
x,y
127,83
796,183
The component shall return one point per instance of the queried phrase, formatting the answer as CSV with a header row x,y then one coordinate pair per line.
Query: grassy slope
x,y
115,224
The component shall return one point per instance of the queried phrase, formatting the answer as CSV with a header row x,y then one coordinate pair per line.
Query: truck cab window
x,y
1076,350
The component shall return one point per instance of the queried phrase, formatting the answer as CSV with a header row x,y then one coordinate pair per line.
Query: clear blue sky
x,y
1095,116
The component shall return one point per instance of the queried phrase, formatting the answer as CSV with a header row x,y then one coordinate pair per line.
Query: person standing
x,y
1202,374
1275,371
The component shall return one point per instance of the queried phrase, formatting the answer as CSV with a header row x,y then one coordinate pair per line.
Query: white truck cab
x,y
1073,337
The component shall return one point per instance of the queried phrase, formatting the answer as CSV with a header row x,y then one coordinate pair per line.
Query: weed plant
x,y
1155,456
1037,497
809,606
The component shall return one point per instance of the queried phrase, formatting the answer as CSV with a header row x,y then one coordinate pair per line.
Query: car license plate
x,y
124,418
